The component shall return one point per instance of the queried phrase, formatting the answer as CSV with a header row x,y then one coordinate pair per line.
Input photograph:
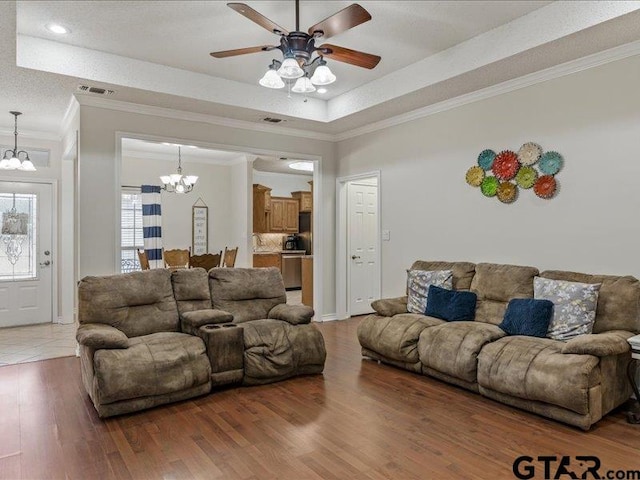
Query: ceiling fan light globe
x,y
303,85
28,166
290,69
14,163
271,79
323,76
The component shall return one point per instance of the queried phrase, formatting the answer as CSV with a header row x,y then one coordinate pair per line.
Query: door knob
x,y
353,257
46,263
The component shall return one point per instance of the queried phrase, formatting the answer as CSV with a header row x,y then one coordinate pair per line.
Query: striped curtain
x,y
152,224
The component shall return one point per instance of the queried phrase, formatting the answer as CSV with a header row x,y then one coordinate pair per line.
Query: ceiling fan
x,y
298,48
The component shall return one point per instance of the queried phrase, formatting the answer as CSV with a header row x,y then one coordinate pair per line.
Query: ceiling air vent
x,y
272,120
95,90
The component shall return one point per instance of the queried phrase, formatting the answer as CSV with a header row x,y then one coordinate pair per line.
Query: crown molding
x,y
557,71
129,107
279,174
32,134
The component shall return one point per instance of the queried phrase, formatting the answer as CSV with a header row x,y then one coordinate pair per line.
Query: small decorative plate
x,y
545,186
474,176
526,177
485,159
529,153
507,192
505,165
550,163
489,186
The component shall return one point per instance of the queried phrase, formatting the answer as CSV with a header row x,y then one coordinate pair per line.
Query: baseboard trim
x,y
330,317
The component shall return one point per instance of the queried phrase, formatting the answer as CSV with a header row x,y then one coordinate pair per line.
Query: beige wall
x,y
213,187
99,186
592,118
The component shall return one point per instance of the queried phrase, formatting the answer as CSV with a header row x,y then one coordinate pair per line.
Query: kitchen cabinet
x,y
283,217
307,280
261,208
261,260
305,200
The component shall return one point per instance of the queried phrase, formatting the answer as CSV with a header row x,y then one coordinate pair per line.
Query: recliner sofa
x,y
155,337
576,382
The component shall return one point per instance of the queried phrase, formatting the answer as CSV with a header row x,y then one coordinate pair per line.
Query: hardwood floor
x,y
359,420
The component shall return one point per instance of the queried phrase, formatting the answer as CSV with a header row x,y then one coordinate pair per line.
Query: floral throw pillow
x,y
574,306
418,283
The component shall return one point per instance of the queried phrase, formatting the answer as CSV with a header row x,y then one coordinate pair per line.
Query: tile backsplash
x,y
268,242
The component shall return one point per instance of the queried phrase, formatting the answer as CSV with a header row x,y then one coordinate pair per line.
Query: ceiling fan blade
x,y
346,55
257,17
341,21
242,51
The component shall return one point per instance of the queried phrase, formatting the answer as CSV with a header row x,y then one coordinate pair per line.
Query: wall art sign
x,y
200,230
503,174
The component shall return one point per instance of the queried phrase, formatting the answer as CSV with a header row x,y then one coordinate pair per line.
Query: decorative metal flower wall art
x,y
529,168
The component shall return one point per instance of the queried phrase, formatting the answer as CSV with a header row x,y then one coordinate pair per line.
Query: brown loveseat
x,y
576,382
153,337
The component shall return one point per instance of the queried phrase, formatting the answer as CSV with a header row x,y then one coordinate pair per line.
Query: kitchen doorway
x,y
358,265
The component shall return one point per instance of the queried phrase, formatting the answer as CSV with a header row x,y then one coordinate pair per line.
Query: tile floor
x,y
51,340
36,342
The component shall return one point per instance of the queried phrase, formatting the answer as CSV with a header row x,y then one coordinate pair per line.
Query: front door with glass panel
x,y
25,253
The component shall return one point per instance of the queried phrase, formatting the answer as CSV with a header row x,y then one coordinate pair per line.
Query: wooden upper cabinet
x,y
261,208
283,217
305,200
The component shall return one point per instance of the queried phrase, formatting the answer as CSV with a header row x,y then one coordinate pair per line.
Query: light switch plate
x,y
386,235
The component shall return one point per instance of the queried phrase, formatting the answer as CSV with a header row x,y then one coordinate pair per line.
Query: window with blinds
x,y
131,230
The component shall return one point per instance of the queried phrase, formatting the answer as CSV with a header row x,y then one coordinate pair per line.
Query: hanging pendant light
x,y
176,182
11,158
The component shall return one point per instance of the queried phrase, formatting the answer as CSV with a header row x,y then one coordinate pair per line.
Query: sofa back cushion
x,y
247,293
137,303
496,284
191,289
618,301
462,271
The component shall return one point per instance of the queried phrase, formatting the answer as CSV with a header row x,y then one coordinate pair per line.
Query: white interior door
x,y
25,253
363,271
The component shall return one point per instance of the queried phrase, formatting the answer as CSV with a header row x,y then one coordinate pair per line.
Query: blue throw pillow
x,y
527,316
451,305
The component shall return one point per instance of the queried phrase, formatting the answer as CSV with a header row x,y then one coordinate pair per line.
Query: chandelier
x,y
177,182
11,158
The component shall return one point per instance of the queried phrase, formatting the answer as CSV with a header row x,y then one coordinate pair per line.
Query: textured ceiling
x,y
155,53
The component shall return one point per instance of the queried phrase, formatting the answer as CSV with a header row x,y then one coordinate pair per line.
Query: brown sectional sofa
x,y
154,337
576,382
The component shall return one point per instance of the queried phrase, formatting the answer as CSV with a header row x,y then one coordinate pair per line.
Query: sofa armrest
x,y
599,344
98,336
293,314
192,321
388,307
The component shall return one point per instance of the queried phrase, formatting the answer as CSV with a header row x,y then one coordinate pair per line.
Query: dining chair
x,y
143,259
206,260
176,258
229,258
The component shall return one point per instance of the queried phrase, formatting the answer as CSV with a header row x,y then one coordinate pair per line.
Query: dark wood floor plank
x,y
359,420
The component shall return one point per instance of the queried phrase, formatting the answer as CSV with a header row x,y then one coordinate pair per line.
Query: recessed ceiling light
x,y
58,29
322,90
306,166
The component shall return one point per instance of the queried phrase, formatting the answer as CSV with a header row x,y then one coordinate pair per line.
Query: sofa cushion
x,y
418,283
191,289
574,306
452,348
527,316
536,369
451,305
462,271
137,303
155,364
395,337
246,293
618,300
501,283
